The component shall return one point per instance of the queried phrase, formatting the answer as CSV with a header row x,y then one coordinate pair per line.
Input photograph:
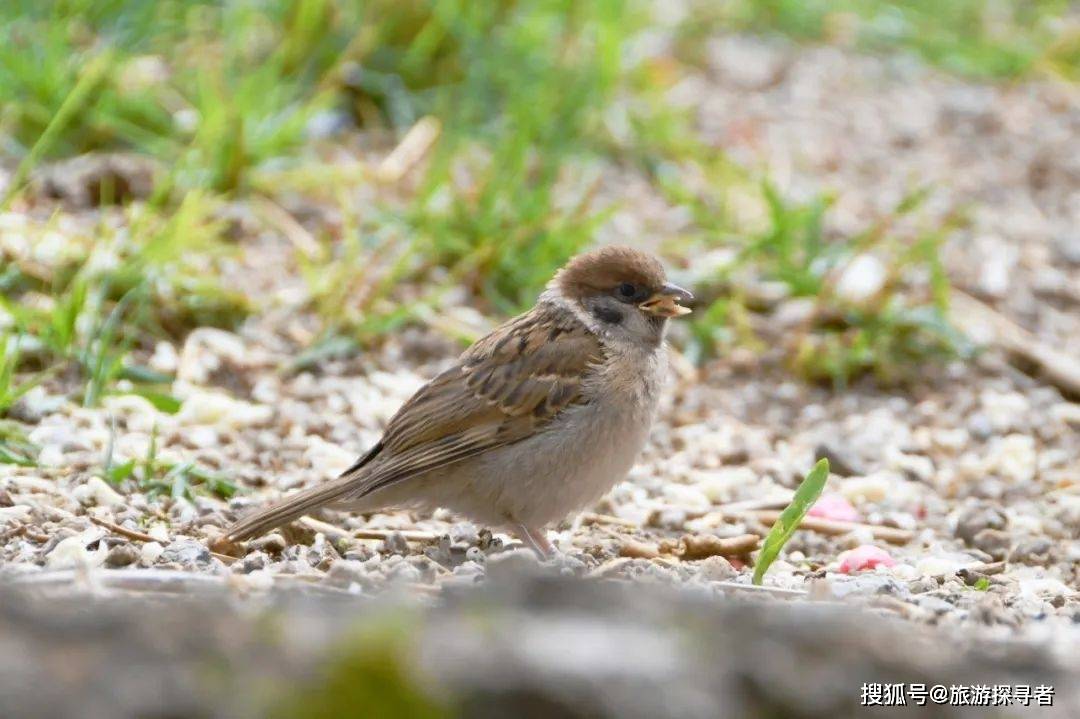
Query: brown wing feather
x,y
532,366
504,388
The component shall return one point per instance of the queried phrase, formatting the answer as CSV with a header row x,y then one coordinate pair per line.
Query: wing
x,y
506,387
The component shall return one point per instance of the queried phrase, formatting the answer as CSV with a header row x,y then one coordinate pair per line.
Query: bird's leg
x,y
536,540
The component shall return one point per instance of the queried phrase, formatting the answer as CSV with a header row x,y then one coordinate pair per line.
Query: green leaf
x,y
145,375
805,496
16,455
177,479
15,448
119,472
213,482
982,584
149,467
162,401
92,73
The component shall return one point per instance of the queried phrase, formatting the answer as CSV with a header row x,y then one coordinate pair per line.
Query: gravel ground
x,y
970,481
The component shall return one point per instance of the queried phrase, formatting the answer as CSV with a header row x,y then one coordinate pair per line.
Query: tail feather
x,y
285,510
296,505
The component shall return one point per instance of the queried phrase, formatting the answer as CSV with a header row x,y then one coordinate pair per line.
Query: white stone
x,y
218,408
936,566
1043,586
203,351
327,456
1005,410
72,552
1014,458
862,279
905,571
165,358
872,488
150,553
159,532
1066,412
686,496
917,465
16,513
721,485
53,248
995,275
102,494
140,414
202,437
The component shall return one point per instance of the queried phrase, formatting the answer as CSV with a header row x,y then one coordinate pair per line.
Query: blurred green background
x,y
282,113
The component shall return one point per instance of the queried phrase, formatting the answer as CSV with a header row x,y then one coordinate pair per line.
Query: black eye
x,y
626,291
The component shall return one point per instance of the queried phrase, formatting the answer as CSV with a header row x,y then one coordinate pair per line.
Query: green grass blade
x,y
15,447
92,75
805,496
105,353
9,455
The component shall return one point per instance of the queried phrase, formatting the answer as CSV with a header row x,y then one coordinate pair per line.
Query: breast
x,y
579,457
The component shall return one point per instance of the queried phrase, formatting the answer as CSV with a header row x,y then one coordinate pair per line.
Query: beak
x,y
665,303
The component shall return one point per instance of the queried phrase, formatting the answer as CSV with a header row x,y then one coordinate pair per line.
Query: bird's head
x,y
623,291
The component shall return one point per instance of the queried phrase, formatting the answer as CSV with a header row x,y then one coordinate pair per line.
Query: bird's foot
x,y
536,540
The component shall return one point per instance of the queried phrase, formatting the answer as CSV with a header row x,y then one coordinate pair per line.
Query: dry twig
x,y
122,531
407,535
594,518
701,546
638,550
417,142
830,526
985,323
288,226
330,530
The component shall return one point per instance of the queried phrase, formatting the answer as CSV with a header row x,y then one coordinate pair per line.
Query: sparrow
x,y
538,419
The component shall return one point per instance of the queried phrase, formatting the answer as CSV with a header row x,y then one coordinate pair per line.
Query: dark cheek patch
x,y
608,315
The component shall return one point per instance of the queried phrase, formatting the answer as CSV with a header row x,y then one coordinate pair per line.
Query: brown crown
x,y
604,269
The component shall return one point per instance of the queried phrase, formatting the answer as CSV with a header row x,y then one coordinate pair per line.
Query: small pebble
x,y
186,552
994,542
150,553
121,555
716,569
273,543
395,544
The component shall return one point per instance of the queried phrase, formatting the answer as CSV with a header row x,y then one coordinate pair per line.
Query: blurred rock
x,y
1067,246
978,517
747,62
841,461
95,179
186,552
862,279
121,555
522,646
1038,551
994,542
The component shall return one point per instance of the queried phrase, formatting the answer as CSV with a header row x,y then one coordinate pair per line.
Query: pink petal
x,y
834,506
863,557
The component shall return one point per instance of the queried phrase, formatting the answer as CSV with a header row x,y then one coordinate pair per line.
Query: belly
x,y
535,481
563,470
